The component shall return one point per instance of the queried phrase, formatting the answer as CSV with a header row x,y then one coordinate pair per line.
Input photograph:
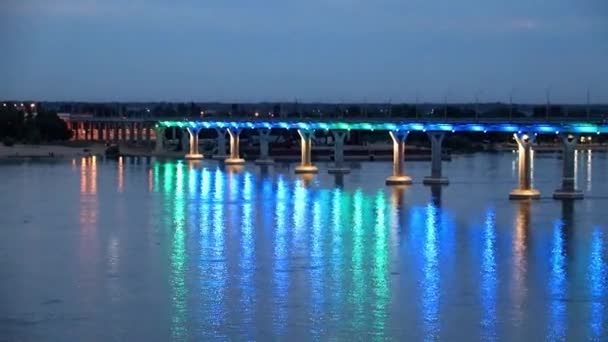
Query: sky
x,y
309,50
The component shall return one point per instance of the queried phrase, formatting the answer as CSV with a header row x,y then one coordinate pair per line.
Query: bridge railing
x,y
389,119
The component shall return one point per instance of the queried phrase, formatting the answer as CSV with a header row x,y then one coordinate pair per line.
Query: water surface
x,y
145,249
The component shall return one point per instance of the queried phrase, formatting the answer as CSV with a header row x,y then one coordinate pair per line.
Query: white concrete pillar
x,y
436,155
193,143
525,189
221,144
140,133
87,131
306,146
568,189
339,167
103,131
264,159
235,158
123,132
160,138
148,134
398,177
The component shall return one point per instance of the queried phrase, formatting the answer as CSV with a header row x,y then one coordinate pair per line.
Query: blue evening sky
x,y
312,50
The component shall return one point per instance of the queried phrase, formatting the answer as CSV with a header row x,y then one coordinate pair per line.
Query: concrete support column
x,y
339,167
193,135
525,190
221,144
123,132
87,131
306,164
398,177
140,133
114,128
81,131
102,132
148,135
436,154
234,158
160,139
568,189
264,158
132,132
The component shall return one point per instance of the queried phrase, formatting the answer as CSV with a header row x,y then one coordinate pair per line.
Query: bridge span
x,y
524,130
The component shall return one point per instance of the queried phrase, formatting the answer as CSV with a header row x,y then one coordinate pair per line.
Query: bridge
x,y
524,130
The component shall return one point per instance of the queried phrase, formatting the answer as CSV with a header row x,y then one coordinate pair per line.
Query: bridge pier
x,y
306,149
160,138
148,134
339,167
525,190
87,131
264,158
140,135
103,131
123,133
436,178
398,177
568,189
193,135
221,144
234,158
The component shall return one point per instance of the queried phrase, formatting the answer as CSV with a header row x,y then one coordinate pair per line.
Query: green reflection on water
x,y
357,261
380,268
179,260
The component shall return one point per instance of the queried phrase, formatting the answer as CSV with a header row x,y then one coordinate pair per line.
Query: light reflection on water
x,y
266,255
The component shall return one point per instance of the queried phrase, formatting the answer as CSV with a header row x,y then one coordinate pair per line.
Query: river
x,y
145,249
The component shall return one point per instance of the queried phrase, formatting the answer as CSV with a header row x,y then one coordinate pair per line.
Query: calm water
x,y
166,250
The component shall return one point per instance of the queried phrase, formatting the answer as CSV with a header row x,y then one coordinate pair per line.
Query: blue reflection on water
x,y
336,259
248,259
179,330
357,261
488,280
597,276
281,260
317,267
380,268
217,270
348,278
431,278
557,285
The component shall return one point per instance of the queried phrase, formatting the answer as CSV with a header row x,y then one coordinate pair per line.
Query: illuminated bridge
x,y
524,131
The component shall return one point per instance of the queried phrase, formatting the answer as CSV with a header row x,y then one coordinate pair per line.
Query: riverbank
x,y
379,152
49,151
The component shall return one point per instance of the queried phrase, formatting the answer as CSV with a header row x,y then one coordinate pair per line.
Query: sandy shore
x,y
48,151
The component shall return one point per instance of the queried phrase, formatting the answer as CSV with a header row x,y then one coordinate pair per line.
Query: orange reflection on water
x,y
150,180
88,175
522,225
120,174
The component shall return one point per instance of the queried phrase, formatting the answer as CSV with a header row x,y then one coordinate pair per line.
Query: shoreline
x,y
323,153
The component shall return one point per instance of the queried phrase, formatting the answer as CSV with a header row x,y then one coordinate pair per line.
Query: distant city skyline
x,y
332,51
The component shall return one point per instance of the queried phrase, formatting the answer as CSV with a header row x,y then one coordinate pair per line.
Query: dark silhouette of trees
x,y
38,127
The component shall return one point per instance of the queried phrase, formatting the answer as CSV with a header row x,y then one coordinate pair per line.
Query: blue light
x,y
396,126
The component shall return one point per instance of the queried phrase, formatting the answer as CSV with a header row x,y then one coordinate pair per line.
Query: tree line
x,y
18,125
